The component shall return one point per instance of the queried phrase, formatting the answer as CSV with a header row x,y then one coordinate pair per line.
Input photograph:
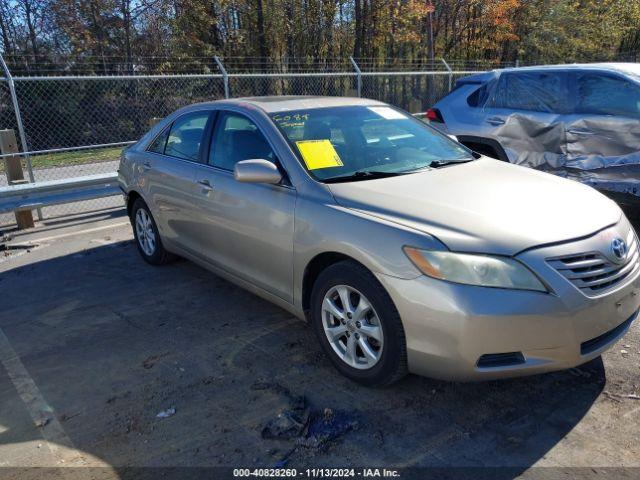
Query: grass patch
x,y
77,157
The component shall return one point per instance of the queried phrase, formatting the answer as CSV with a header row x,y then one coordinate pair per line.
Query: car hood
x,y
484,206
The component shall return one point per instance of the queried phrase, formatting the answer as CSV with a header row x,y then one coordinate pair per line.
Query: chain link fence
x,y
70,126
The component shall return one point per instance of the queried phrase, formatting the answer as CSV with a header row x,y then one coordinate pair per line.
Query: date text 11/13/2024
x,y
316,473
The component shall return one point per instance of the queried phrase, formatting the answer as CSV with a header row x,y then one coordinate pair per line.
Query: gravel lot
x,y
95,343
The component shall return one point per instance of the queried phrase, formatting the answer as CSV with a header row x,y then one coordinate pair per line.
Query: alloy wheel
x,y
352,327
145,232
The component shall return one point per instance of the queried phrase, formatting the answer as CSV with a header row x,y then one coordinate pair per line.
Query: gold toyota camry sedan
x,y
406,251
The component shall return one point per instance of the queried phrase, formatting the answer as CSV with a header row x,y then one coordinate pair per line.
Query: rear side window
x,y
479,96
533,91
184,138
600,94
160,142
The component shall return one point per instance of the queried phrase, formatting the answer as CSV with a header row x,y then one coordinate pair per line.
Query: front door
x,y
245,228
606,122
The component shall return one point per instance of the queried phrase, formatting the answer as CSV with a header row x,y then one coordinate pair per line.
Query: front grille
x,y
593,272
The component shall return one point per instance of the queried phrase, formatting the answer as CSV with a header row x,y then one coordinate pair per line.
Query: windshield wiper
x,y
437,164
362,175
442,163
373,174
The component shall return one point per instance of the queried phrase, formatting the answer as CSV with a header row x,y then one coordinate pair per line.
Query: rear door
x,y
169,171
524,113
605,121
245,228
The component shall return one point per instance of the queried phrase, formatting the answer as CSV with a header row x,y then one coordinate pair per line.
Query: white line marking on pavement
x,y
42,414
80,232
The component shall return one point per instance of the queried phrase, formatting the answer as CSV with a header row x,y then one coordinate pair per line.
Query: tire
x,y
153,253
391,351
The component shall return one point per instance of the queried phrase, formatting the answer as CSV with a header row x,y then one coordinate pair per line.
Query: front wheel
x,y
145,232
358,325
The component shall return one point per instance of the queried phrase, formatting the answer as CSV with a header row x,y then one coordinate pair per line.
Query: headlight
x,y
483,270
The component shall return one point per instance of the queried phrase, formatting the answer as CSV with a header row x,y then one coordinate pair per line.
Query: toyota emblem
x,y
619,249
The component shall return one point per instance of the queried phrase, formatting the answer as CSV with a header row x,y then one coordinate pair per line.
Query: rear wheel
x,y
146,235
358,326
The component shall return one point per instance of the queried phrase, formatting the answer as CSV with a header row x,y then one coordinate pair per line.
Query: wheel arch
x,y
132,196
314,268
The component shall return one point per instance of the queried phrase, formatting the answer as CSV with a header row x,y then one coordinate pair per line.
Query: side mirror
x,y
257,171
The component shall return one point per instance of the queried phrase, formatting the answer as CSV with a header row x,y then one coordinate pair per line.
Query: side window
x,y
185,137
607,95
160,142
533,91
479,96
237,138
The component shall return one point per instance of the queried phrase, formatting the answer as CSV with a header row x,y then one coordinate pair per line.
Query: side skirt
x,y
230,277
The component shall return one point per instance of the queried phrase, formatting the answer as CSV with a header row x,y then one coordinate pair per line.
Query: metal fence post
x,y
225,76
358,76
16,109
13,170
446,65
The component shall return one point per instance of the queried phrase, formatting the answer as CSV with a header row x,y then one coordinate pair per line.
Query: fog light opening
x,y
497,360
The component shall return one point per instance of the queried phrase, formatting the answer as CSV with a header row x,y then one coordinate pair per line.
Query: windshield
x,y
340,142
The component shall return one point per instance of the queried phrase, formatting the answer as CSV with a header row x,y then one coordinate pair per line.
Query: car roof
x,y
274,104
632,69
629,68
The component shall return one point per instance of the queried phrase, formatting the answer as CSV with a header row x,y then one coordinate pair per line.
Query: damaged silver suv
x,y
577,121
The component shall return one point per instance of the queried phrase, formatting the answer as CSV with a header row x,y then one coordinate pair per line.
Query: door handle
x,y
206,185
146,165
495,121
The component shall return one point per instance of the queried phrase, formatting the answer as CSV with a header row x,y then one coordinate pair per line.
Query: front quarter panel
x,y
325,227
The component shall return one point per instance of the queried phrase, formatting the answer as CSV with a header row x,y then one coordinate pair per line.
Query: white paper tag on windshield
x,y
388,113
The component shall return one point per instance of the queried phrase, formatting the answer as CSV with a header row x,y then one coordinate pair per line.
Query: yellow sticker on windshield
x,y
319,154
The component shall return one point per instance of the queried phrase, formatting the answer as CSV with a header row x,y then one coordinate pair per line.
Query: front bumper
x,y
450,327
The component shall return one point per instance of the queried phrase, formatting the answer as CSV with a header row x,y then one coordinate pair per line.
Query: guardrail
x,y
29,196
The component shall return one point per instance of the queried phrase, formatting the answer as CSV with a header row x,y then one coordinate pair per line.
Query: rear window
x,y
533,91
